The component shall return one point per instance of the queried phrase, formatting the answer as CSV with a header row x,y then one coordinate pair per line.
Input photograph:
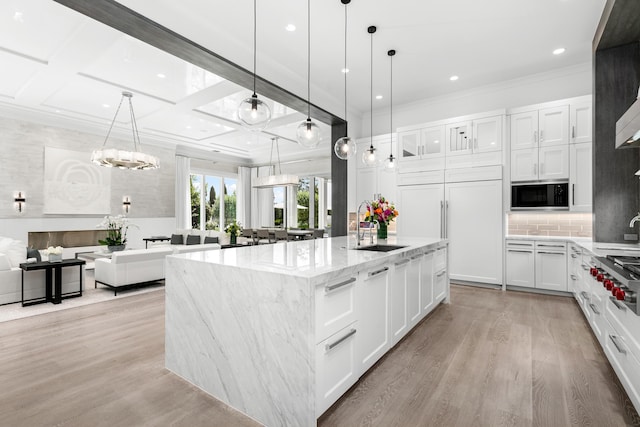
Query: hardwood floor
x,y
488,359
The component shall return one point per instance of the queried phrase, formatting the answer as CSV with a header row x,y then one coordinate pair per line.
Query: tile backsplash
x,y
550,224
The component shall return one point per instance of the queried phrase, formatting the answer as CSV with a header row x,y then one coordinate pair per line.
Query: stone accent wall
x,y
550,224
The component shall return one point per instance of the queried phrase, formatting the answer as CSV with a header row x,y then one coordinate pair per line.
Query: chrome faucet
x,y
634,219
358,238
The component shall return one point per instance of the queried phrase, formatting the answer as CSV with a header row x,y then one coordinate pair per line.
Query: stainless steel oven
x,y
540,196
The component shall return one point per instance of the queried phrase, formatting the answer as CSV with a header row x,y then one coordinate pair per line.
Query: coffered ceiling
x,y
61,67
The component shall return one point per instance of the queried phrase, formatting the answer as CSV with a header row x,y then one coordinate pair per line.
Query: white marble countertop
x,y
310,258
596,248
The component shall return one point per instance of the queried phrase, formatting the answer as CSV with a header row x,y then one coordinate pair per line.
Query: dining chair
x,y
281,235
248,234
263,236
318,233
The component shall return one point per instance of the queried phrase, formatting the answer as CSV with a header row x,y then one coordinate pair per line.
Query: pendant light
x,y
345,147
390,163
252,112
369,156
308,133
124,159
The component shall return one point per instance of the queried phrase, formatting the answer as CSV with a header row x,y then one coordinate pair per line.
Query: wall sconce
x,y
20,201
126,204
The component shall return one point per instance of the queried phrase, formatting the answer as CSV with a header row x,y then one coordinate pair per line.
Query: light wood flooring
x,y
488,359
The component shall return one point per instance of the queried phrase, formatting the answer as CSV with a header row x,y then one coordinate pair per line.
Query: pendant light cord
x,y
308,59
391,107
345,62
371,97
255,30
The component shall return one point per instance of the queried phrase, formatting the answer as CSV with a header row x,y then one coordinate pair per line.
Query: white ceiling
x,y
60,64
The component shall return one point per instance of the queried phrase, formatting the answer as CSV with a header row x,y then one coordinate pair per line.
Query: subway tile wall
x,y
550,224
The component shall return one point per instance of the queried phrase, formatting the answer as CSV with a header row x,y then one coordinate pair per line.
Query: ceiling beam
x,y
123,19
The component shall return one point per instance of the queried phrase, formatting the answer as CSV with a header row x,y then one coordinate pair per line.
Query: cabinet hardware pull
x,y
614,340
574,256
541,136
573,194
535,136
594,309
585,295
551,253
403,262
375,273
550,246
519,250
333,287
520,244
573,132
441,273
417,256
618,304
584,267
574,277
446,219
441,219
340,340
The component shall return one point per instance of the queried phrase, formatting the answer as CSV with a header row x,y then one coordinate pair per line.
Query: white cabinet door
x,y
366,183
524,165
459,139
524,130
421,208
440,281
433,141
581,116
413,291
554,126
426,283
336,368
474,229
520,267
553,162
373,302
551,269
399,300
487,134
580,181
410,146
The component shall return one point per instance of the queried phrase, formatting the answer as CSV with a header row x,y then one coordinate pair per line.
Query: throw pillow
x,y
4,263
16,252
176,239
193,239
34,253
208,239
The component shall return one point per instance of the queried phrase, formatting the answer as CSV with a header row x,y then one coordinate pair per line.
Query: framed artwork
x,y
73,185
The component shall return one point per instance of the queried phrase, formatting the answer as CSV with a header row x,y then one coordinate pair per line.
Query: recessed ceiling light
x,y
188,126
290,27
345,70
378,96
106,105
160,76
454,78
559,51
18,17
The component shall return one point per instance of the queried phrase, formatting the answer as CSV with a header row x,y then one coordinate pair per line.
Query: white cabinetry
x,y
544,163
399,300
580,184
422,210
440,276
413,291
372,180
426,283
581,119
373,316
520,264
551,266
538,128
476,142
421,149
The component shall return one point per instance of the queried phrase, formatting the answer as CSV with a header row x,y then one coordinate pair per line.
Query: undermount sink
x,y
379,248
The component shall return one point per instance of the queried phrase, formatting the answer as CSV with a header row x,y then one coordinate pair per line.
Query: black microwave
x,y
540,196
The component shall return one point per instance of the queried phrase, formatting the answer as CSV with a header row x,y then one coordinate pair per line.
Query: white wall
x,y
558,84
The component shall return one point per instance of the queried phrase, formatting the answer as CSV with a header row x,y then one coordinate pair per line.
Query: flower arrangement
x,y
233,228
117,227
53,250
381,211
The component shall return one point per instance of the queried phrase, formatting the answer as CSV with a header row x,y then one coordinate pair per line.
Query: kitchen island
x,y
281,331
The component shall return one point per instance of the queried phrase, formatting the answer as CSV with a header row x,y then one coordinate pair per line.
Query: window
x,y
213,201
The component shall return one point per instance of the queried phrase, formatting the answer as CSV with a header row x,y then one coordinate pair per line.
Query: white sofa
x,y
134,267
12,254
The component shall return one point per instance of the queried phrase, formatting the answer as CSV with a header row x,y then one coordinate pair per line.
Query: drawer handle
x,y
333,287
441,273
551,246
614,340
574,256
375,273
574,277
551,253
585,295
417,256
340,340
521,251
403,262
594,309
519,244
584,267
618,304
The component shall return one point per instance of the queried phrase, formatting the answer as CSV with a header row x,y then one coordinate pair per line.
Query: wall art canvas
x,y
73,185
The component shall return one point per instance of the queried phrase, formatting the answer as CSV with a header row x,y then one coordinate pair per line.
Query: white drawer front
x,y
625,322
624,362
335,306
440,259
336,368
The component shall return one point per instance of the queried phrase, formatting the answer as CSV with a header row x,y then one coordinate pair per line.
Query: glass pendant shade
x,y
308,134
254,114
390,164
369,156
345,148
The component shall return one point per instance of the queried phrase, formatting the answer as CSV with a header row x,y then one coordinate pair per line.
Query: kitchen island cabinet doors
x,y
373,316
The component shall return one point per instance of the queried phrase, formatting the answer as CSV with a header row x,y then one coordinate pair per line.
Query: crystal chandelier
x,y
123,159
